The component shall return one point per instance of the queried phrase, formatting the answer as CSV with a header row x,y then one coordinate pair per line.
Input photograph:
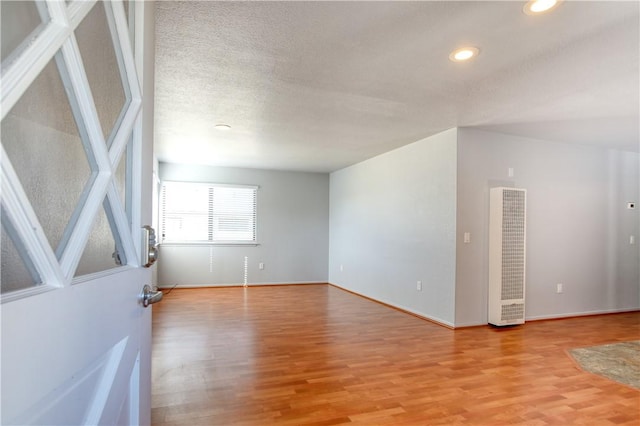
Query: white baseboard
x,y
404,308
399,307
580,314
558,316
168,286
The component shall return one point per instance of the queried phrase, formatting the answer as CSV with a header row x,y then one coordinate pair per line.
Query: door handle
x,y
150,296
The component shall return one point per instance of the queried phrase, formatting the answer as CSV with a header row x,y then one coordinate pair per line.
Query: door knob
x,y
150,296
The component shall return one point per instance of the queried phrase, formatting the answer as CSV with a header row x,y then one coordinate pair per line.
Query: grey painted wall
x,y
578,224
392,223
292,229
388,222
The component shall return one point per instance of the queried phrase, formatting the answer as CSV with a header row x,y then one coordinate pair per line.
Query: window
x,y
202,212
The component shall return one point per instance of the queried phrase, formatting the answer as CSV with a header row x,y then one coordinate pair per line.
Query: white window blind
x,y
201,212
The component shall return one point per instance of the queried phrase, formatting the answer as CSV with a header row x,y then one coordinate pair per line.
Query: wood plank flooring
x,y
317,355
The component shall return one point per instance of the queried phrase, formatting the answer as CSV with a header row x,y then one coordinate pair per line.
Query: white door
x,y
75,336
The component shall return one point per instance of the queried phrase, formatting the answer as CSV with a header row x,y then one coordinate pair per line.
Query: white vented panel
x,y
507,242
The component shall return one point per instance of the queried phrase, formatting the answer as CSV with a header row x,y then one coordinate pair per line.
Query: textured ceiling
x,y
317,86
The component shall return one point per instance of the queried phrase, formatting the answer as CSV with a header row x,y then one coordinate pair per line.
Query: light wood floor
x,y
315,354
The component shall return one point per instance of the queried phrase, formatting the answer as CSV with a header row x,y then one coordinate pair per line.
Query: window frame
x,y
209,214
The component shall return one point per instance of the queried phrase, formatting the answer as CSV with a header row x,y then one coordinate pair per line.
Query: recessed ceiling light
x,y
536,7
223,127
463,54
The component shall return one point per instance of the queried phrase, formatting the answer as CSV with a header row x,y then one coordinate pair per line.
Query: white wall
x,y
292,231
392,223
578,225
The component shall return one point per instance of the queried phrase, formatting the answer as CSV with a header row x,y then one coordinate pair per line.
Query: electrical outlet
x,y
419,286
341,268
559,288
261,265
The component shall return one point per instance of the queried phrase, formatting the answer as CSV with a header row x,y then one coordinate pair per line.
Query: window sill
x,y
208,243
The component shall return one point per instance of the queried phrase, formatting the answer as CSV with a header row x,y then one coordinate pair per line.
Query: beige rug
x,y
616,361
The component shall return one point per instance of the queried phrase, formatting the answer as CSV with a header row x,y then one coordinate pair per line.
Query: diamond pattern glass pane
x,y
126,5
16,270
45,148
130,10
110,94
123,184
20,22
103,251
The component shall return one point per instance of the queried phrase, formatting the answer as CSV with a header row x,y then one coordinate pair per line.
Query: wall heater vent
x,y
507,242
